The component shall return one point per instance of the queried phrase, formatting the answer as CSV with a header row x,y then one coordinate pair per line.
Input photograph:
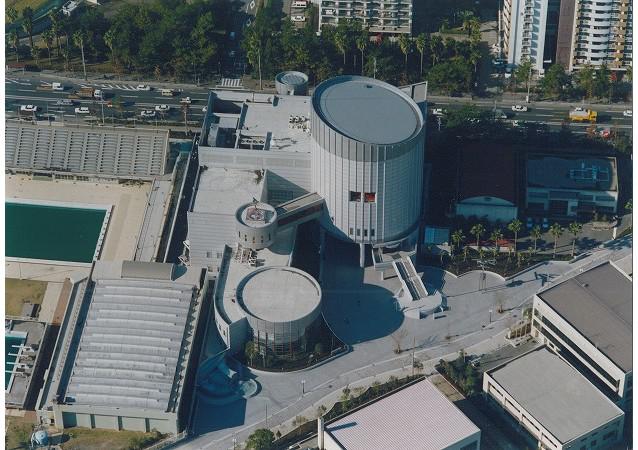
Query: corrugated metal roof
x,y
555,394
208,233
148,270
86,150
418,417
130,346
598,303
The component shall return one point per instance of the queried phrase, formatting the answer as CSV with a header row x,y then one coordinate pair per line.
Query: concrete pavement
x,y
467,326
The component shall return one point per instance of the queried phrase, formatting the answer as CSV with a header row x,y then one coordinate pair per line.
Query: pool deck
x,y
125,224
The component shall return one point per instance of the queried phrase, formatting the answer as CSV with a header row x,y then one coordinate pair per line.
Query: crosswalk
x,y
231,83
122,87
15,81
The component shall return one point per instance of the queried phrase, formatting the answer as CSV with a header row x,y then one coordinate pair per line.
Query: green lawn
x,y
95,439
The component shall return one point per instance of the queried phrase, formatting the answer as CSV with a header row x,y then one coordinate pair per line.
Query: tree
x,y
457,239
496,236
54,18
47,37
14,40
629,205
362,42
27,23
557,231
250,350
515,227
11,13
555,81
341,42
452,76
477,230
436,48
78,39
523,71
585,80
574,228
405,44
420,42
602,82
261,439
35,54
109,40
536,234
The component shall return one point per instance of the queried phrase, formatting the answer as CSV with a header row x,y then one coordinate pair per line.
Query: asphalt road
x,y
22,91
550,113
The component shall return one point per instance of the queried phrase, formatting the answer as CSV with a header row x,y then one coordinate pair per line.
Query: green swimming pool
x,y
9,359
52,232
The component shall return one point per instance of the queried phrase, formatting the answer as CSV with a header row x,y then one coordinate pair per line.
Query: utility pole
x,y
413,346
374,72
259,65
102,103
266,404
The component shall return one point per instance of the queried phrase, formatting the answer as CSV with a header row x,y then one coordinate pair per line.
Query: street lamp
x,y
303,387
490,316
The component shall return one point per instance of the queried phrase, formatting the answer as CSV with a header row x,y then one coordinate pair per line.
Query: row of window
x,y
573,347
365,232
368,197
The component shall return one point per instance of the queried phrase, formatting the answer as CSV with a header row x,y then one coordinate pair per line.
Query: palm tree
x,y
78,39
47,37
515,226
436,48
54,17
362,44
477,230
251,351
27,23
420,42
536,234
14,40
574,228
457,238
496,236
467,22
557,231
35,53
341,42
405,44
12,14
109,39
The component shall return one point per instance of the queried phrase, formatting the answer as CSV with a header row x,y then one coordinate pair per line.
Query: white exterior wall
x,y
133,419
517,45
583,344
546,439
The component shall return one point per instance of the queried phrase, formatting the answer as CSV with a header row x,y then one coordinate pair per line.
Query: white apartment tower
x,y
573,33
379,16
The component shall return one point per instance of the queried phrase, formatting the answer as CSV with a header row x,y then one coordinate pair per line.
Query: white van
x,y
167,92
299,4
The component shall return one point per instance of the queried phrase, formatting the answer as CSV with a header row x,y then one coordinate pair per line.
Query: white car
x,y
205,109
148,113
438,112
186,100
29,108
162,108
628,113
143,87
98,94
64,102
298,18
519,108
82,110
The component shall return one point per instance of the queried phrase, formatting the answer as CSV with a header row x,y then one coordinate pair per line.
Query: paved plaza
x,y
362,310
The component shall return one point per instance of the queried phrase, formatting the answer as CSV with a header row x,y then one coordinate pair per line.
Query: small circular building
x,y
291,83
367,159
256,225
280,303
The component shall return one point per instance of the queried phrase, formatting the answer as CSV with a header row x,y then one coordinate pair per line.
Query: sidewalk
x,y
510,97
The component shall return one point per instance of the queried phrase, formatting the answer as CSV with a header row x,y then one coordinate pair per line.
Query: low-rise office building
x,y
554,403
587,319
569,186
418,417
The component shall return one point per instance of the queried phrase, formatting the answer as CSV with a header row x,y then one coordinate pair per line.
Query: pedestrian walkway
x,y
122,87
232,83
50,302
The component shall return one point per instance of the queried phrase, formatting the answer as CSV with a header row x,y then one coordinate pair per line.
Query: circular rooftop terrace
x,y
367,110
279,294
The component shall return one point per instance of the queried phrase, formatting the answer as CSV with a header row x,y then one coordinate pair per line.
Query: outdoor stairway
x,y
410,280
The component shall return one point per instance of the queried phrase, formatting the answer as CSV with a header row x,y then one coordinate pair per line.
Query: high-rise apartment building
x,y
573,33
379,16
